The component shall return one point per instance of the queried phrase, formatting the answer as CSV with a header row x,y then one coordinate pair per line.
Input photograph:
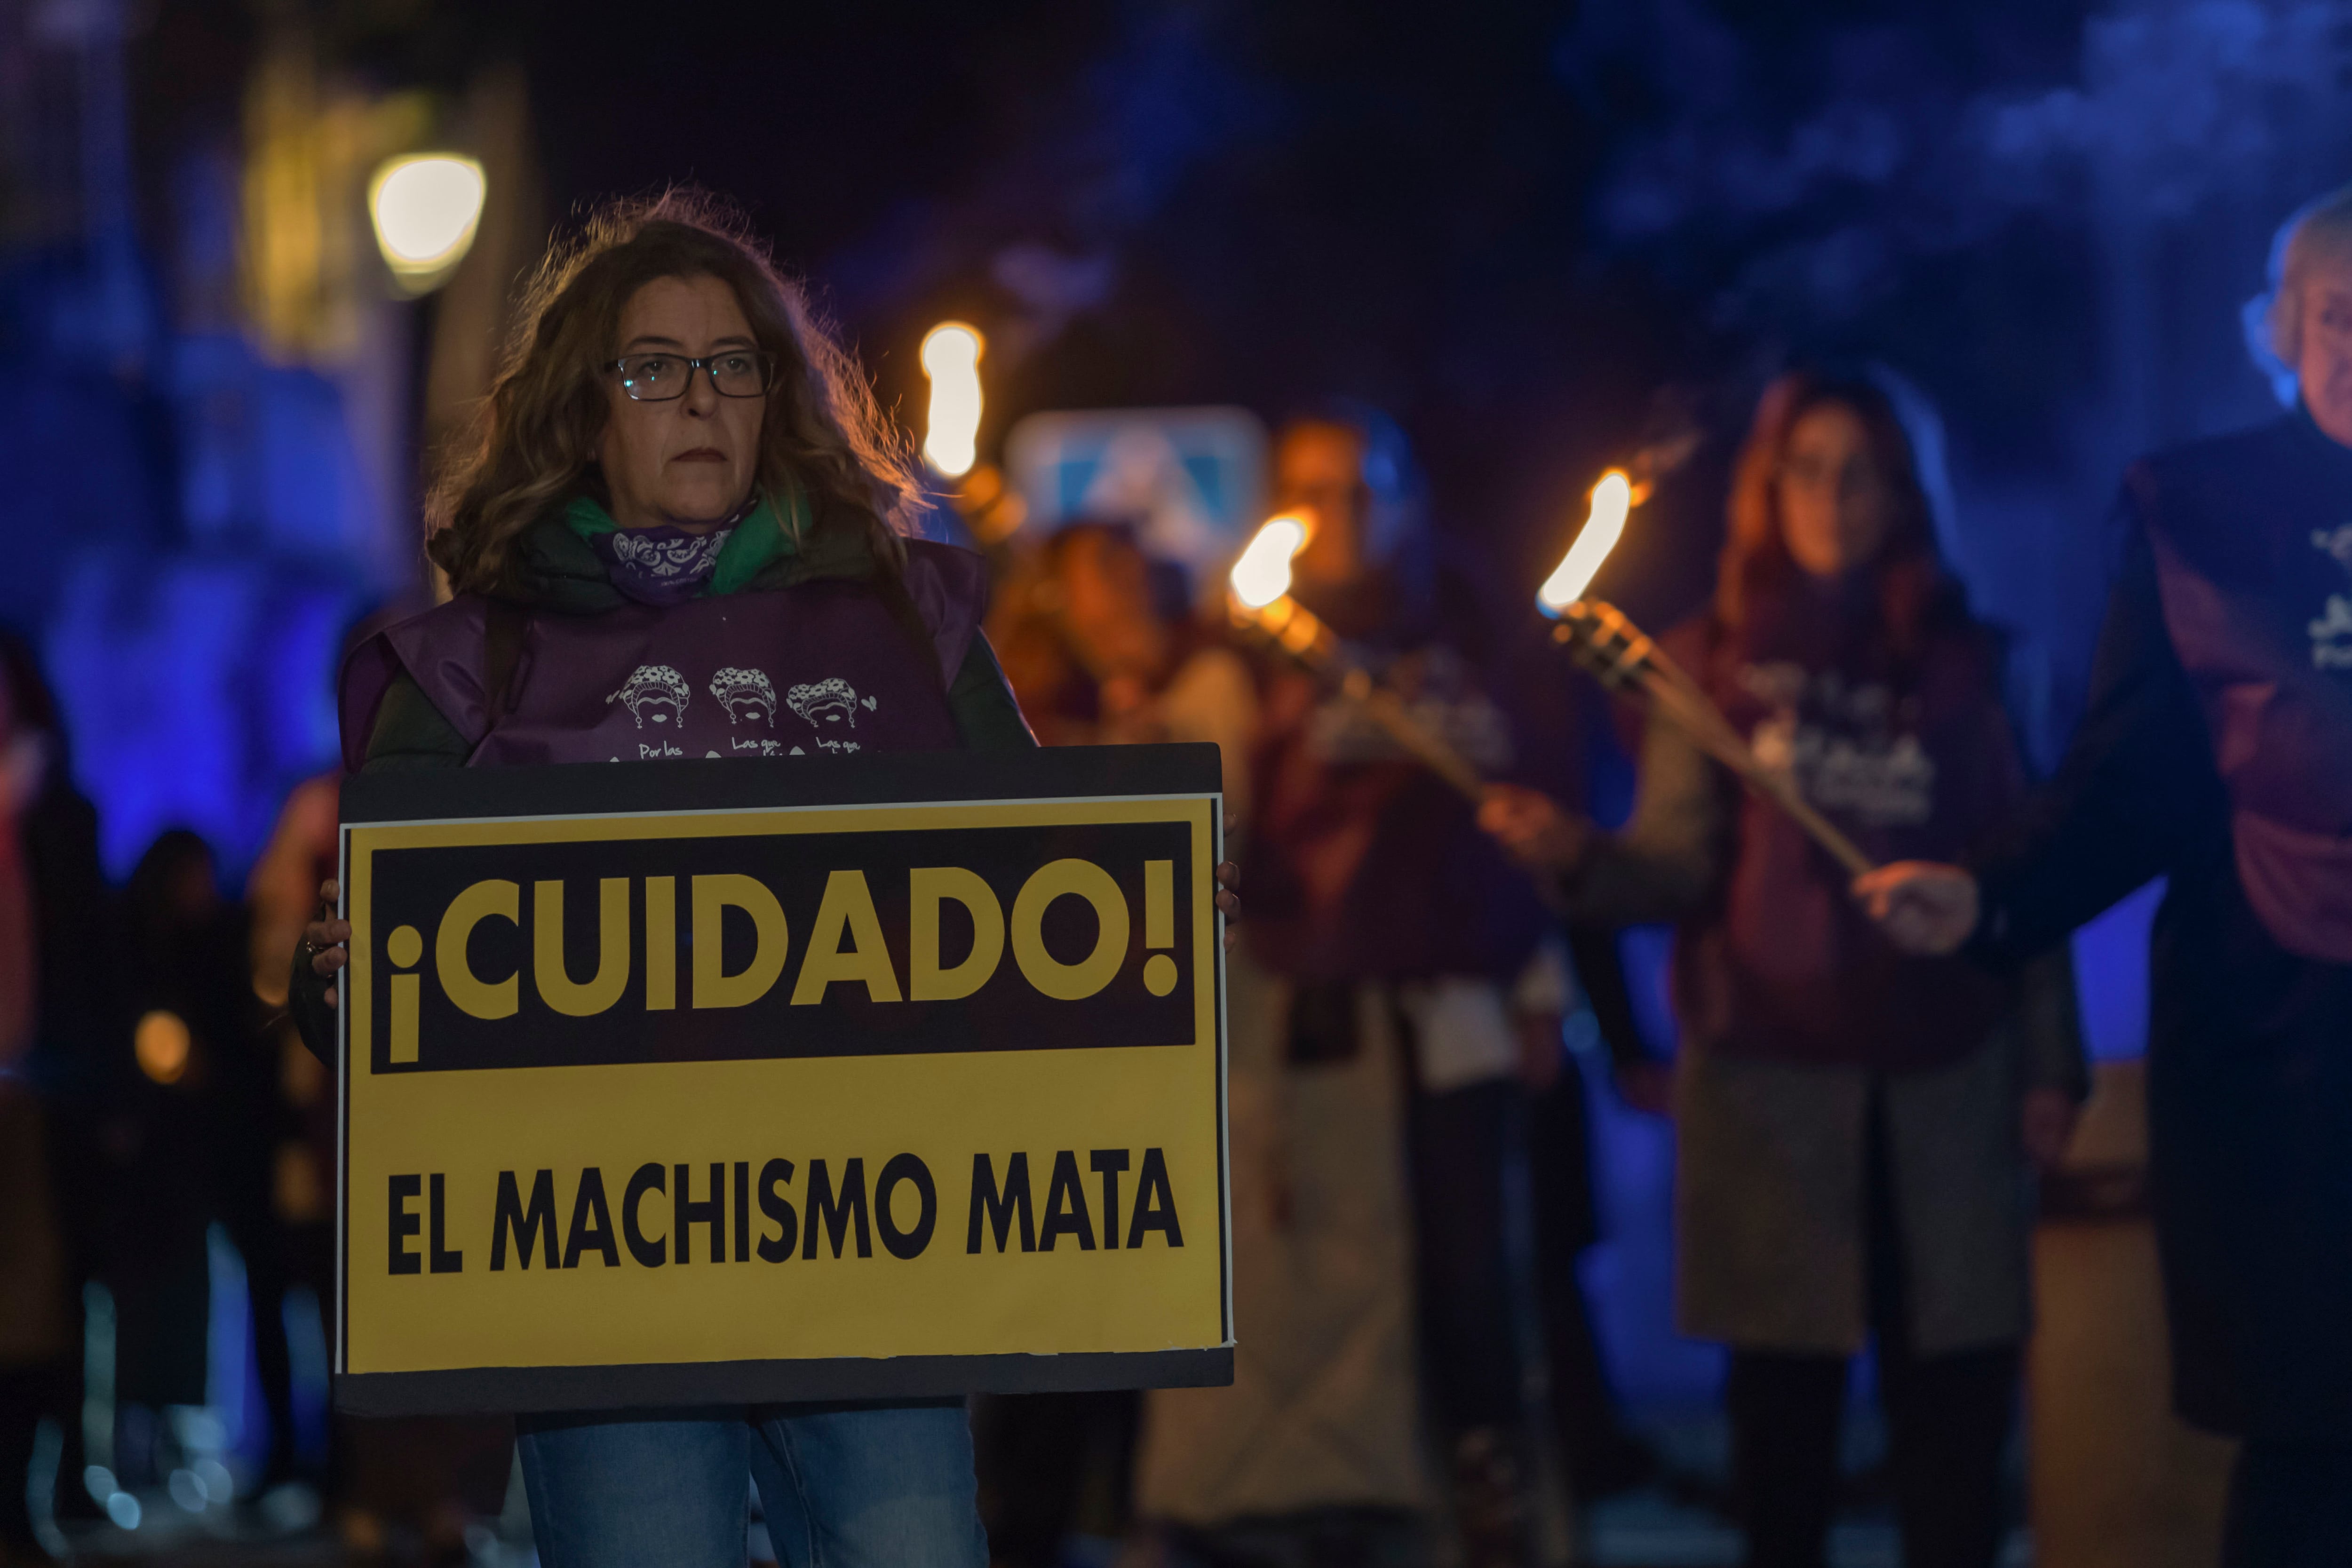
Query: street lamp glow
x,y
1612,498
426,207
160,1045
1262,574
951,358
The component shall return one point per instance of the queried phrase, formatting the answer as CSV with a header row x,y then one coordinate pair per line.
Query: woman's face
x,y
2324,366
689,460
1106,607
1836,506
1319,470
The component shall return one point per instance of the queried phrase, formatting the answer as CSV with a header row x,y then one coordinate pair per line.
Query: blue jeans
x,y
842,1487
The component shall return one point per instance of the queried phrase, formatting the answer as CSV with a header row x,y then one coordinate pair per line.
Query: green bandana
x,y
763,538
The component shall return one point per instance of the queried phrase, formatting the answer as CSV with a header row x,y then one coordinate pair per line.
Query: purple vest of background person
x,y
2216,752
2257,592
1908,750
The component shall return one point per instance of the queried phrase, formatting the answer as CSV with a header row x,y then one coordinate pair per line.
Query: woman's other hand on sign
x,y
1229,898
1924,909
1534,829
325,939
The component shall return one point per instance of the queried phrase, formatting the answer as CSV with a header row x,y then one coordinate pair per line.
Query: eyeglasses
x,y
662,378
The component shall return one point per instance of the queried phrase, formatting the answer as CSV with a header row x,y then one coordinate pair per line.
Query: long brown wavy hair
x,y
532,444
1756,565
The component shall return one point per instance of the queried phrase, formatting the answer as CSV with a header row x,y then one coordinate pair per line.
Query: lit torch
x,y
1613,648
950,357
1260,602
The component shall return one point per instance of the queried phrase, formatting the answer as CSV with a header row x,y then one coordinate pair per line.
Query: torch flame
x,y
1262,574
1611,499
950,357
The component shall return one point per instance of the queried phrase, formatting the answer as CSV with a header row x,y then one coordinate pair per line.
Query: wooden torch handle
x,y
1384,708
1621,656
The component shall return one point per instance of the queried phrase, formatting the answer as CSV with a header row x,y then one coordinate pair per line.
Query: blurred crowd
x,y
1859,1116
1412,1171
1411,1182
1416,1342
163,1136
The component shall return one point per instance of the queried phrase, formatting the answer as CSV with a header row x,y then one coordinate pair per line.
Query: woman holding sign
x,y
1854,1125
678,534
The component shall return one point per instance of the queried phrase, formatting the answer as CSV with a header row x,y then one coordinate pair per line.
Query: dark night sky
x,y
1295,200
1290,200
1516,227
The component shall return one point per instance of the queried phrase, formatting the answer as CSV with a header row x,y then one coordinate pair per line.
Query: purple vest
x,y
820,668
1912,758
2254,568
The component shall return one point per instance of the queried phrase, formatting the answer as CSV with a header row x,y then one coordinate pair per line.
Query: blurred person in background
x,y
192,1047
71,1064
1110,653
1061,701
1105,635
53,912
1856,1127
1387,941
2216,752
1601,1456
391,1484
281,894
202,943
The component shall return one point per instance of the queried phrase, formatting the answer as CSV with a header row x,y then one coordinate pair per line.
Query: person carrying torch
x,y
1855,1123
2216,751
1389,923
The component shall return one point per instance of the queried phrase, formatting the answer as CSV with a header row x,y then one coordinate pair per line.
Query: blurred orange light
x,y
161,1045
1612,498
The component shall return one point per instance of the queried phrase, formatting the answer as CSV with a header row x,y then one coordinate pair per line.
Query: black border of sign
x,y
748,784
499,1390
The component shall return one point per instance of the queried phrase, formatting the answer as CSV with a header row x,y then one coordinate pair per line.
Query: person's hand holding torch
x,y
1260,600
1618,652
1924,909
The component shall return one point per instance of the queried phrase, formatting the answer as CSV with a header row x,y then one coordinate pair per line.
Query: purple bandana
x,y
664,565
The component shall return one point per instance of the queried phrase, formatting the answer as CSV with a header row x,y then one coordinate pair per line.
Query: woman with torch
x,y
1856,1125
1384,925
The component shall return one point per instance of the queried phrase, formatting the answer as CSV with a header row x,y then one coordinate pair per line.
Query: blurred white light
x,y
218,1484
1611,499
426,207
1262,574
124,1510
951,358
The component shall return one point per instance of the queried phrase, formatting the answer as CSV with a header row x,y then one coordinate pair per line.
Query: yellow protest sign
x,y
806,1079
